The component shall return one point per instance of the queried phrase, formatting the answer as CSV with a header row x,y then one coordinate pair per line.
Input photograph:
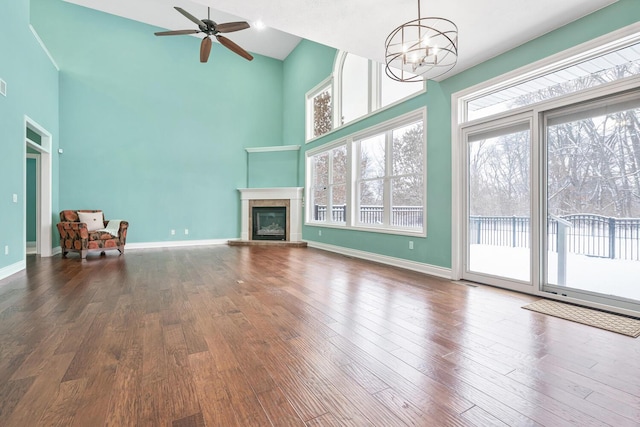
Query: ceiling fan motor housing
x,y
210,28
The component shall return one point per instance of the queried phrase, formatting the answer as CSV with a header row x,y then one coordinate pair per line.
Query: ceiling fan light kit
x,y
211,28
424,48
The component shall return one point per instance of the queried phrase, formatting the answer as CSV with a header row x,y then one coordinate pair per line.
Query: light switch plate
x,y
15,198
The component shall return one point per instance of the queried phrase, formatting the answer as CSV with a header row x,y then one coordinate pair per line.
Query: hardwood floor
x,y
259,336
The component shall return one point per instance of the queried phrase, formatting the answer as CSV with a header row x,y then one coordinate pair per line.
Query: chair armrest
x,y
122,231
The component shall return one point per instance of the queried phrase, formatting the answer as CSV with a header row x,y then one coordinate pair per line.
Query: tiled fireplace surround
x,y
289,197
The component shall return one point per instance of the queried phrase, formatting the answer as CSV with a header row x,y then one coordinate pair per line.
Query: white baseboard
x,y
12,269
55,251
175,244
432,270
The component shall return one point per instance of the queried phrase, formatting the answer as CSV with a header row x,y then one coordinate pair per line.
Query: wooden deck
x,y
269,335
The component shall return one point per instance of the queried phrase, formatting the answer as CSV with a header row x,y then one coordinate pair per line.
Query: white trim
x,y
293,194
45,232
176,244
56,251
12,269
43,46
351,222
271,149
432,270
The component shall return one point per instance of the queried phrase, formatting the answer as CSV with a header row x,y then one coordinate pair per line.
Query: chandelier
x,y
424,48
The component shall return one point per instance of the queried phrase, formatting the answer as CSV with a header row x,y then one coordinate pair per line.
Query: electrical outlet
x,y
410,244
15,198
319,232
173,232
186,231
6,250
3,88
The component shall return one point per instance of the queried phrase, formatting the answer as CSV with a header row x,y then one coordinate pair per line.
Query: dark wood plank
x,y
235,336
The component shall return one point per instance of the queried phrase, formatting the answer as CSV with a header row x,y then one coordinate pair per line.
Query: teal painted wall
x,y
31,200
306,68
32,90
272,169
150,134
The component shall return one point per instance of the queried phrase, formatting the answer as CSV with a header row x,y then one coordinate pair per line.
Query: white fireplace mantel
x,y
293,194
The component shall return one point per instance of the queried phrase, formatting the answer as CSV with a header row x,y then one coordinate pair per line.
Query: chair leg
x,y
64,253
83,254
121,249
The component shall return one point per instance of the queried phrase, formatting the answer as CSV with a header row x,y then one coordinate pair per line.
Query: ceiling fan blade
x,y
234,47
229,27
190,16
176,32
205,49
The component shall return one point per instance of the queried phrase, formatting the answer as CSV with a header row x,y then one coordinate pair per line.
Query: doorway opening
x,y
37,173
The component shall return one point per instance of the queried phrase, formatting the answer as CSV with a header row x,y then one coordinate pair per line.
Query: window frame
x,y
310,167
374,79
460,126
353,170
309,107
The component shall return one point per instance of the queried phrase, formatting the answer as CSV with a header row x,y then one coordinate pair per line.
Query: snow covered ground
x,y
603,275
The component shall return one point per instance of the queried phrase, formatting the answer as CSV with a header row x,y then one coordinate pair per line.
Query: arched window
x,y
357,88
362,87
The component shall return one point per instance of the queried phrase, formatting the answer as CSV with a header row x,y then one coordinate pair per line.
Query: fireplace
x,y
288,200
269,223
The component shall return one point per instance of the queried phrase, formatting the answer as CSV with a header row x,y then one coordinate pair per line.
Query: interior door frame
x,y
44,230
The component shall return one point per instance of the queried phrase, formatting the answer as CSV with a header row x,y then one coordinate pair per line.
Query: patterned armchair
x,y
98,235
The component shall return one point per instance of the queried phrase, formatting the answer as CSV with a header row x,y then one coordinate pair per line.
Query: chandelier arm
x,y
423,48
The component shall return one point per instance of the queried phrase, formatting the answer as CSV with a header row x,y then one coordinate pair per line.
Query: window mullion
x,y
349,183
386,195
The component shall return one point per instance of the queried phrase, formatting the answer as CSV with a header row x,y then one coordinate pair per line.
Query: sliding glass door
x,y
498,203
593,201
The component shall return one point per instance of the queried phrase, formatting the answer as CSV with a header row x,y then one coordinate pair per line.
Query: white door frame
x,y
44,220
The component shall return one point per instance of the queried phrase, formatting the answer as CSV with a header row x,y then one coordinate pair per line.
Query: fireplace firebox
x,y
269,223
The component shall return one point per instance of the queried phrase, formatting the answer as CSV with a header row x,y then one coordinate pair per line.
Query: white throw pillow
x,y
92,219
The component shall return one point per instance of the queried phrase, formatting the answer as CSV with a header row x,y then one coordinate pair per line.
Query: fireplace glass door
x,y
269,223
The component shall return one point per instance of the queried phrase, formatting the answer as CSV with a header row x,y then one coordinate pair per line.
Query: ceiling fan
x,y
210,28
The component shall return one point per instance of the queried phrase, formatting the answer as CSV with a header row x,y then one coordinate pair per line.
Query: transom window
x,y
585,70
374,179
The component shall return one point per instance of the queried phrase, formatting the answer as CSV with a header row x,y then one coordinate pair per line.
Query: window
x,y
361,88
582,71
390,181
319,109
555,201
374,179
329,185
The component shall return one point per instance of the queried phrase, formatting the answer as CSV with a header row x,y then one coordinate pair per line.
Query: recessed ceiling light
x,y
259,25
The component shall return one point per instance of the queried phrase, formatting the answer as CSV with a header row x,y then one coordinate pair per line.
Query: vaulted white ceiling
x,y
486,27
